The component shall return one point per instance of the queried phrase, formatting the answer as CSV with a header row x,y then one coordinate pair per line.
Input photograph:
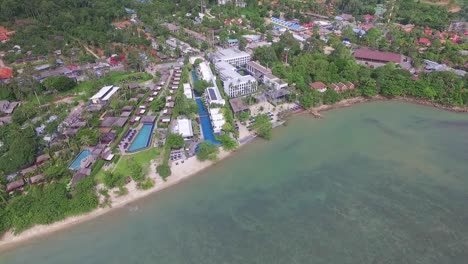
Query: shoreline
x,y
181,172
380,98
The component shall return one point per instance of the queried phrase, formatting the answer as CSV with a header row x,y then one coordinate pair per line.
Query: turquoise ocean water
x,y
374,183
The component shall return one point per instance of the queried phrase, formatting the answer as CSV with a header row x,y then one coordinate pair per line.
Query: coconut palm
x,y
85,140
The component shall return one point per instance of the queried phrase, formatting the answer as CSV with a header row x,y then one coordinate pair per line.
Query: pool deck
x,y
122,150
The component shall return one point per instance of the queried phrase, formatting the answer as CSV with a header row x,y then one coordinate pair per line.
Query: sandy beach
x,y
180,172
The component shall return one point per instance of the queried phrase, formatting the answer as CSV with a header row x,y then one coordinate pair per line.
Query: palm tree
x,y
85,140
3,192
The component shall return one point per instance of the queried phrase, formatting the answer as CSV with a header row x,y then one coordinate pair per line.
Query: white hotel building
x,y
234,84
232,56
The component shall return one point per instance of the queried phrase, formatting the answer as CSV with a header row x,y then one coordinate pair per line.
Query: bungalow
x,y
127,108
319,86
125,114
13,186
36,179
341,87
5,74
368,17
42,158
167,112
107,138
423,41
8,107
5,34
133,86
170,105
114,121
165,119
148,119
122,25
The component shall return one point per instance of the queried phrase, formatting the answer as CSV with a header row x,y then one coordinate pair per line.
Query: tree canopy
x,y
207,151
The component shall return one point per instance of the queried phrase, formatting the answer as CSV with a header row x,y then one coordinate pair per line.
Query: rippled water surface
x,y
375,183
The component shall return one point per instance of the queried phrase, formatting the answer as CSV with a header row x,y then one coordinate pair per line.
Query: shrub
x,y
164,171
207,151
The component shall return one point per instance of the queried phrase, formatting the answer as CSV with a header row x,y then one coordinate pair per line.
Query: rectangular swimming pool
x,y
205,122
75,165
143,139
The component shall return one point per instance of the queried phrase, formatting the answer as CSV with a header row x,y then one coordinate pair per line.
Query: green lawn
x,y
114,78
143,158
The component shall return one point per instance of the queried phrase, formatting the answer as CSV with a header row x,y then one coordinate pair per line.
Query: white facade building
x,y
217,119
233,56
188,91
238,3
274,82
104,94
205,72
213,96
264,74
235,85
183,127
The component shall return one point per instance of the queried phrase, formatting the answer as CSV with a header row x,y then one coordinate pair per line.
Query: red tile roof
x,y
5,73
368,16
424,41
318,85
122,24
374,55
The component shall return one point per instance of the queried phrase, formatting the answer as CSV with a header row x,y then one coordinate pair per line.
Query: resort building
x,y
217,119
234,83
319,86
183,127
237,3
256,69
104,94
188,91
213,96
368,55
232,55
274,82
264,75
205,72
288,25
173,43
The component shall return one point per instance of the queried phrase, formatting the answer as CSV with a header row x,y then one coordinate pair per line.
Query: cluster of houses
x,y
174,83
337,87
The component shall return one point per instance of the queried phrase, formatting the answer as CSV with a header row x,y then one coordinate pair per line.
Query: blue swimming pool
x,y
194,76
75,165
206,123
143,139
